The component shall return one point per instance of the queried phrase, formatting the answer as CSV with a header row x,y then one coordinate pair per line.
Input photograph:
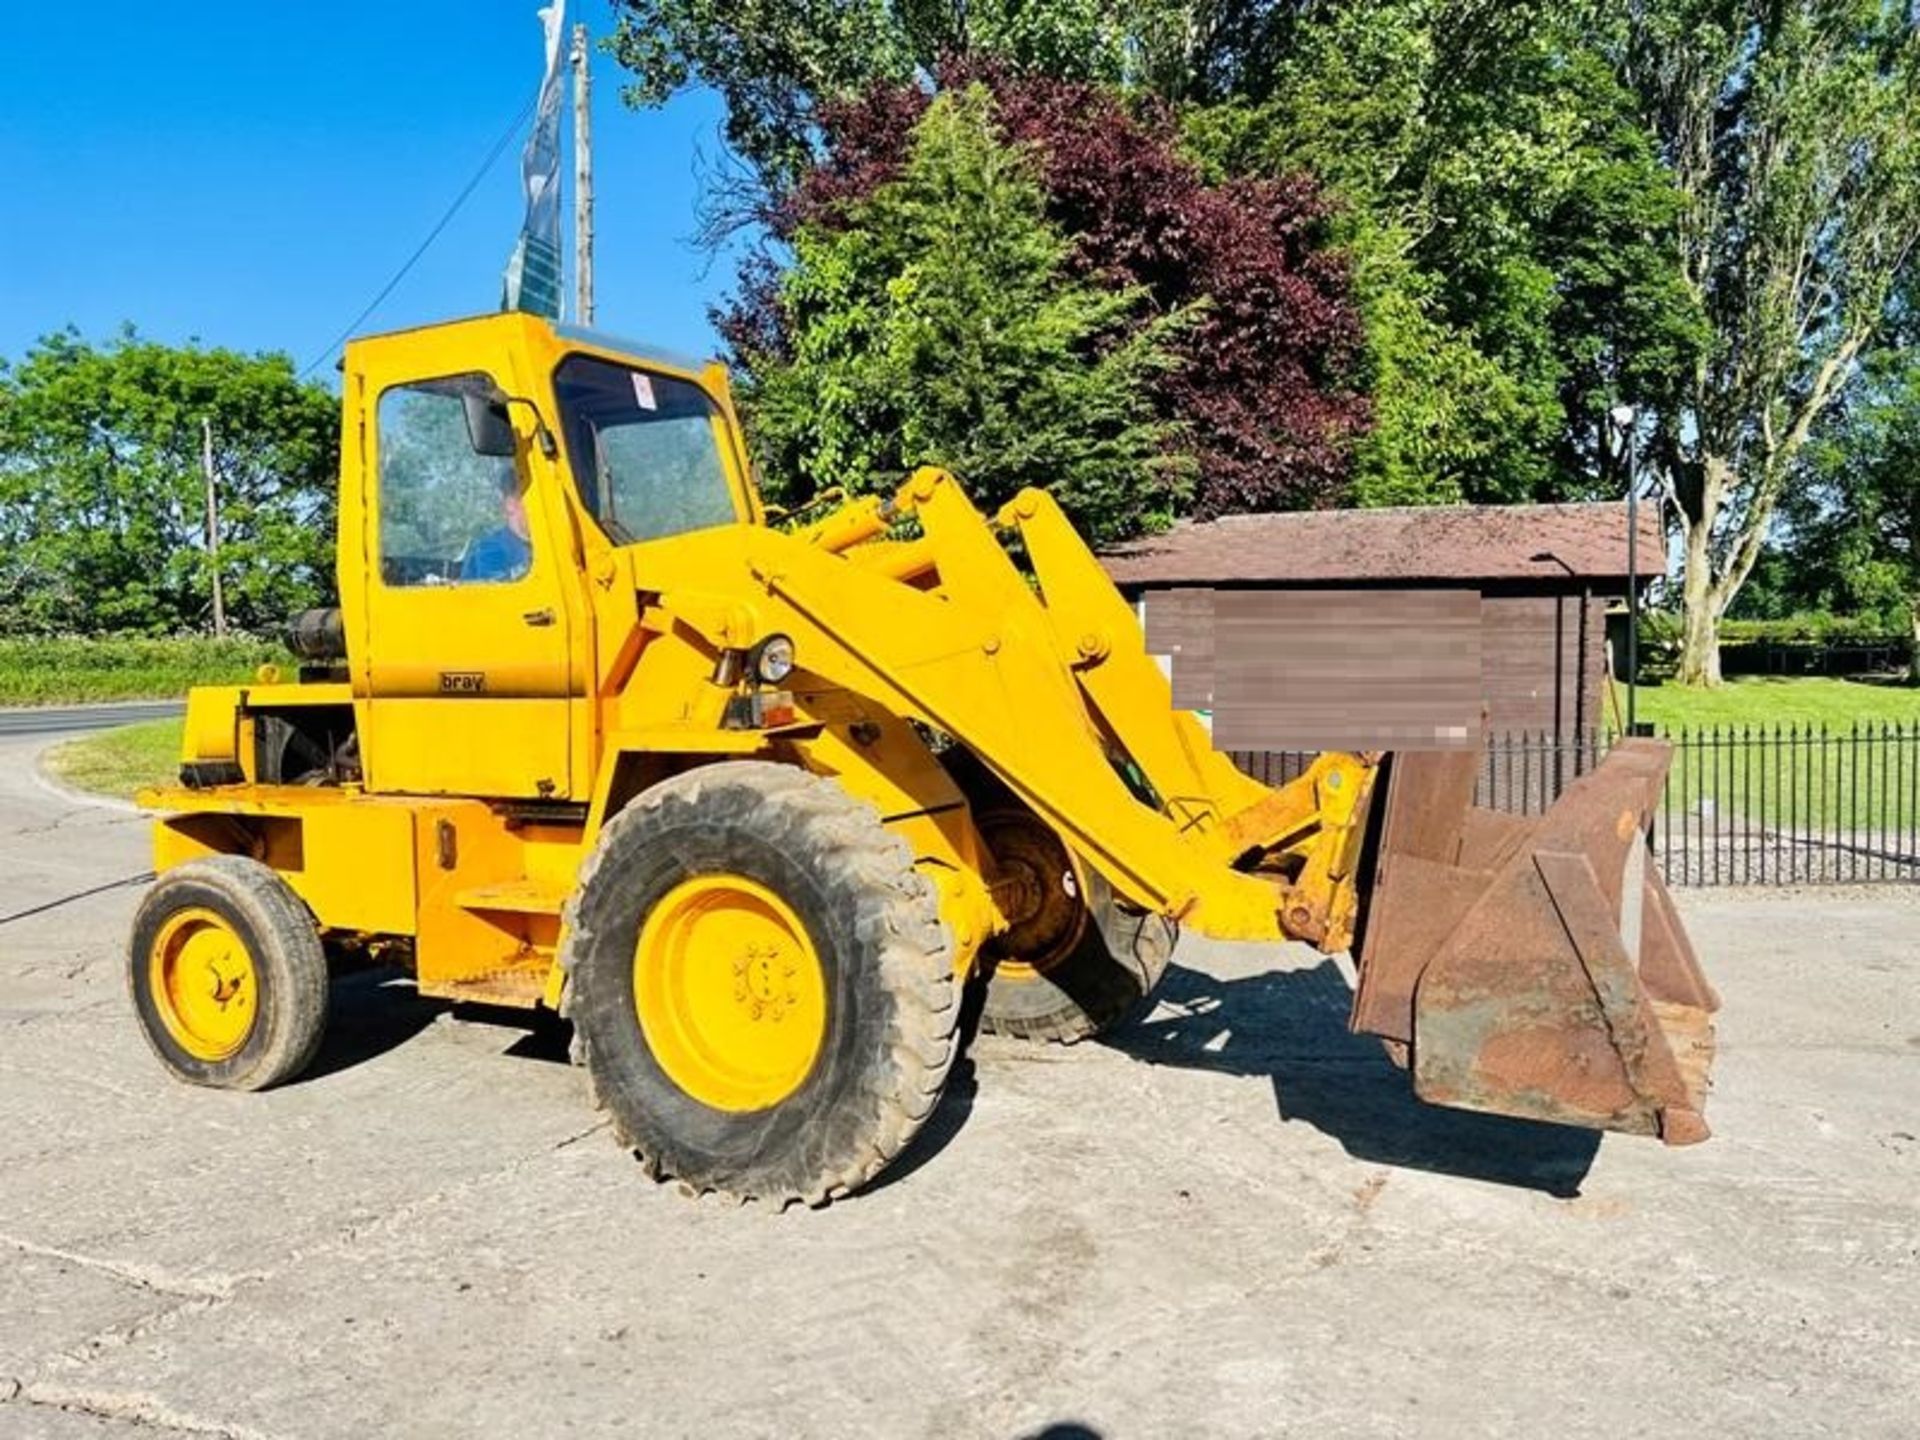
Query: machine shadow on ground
x,y
1288,1027
370,1012
1291,1027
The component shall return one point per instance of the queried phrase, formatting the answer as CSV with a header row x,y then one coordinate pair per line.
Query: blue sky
x,y
251,175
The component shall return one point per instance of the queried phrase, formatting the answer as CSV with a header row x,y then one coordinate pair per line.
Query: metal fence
x,y
1792,805
1744,805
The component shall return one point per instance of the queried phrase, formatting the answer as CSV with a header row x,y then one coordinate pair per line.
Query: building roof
x,y
1458,543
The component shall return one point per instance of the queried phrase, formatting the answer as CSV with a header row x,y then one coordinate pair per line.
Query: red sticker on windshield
x,y
643,392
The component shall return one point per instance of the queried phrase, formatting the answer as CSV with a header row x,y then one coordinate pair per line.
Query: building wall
x,y
1532,667
1385,668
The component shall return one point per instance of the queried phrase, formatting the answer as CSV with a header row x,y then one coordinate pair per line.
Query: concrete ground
x,y
1232,1222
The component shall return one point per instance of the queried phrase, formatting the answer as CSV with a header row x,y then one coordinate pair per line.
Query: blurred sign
x,y
533,271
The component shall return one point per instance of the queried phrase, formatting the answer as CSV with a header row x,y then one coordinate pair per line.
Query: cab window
x,y
645,449
452,498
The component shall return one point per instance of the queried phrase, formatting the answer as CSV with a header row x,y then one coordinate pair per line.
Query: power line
x,y
506,138
140,879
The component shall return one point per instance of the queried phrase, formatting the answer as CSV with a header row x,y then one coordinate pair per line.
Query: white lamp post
x,y
1623,417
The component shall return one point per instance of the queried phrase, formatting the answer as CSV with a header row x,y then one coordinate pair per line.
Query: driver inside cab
x,y
504,552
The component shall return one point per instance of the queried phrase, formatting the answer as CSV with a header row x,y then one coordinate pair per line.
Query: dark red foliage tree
x,y
1264,393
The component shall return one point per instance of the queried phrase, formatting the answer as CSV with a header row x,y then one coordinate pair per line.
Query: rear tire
x,y
227,974
695,892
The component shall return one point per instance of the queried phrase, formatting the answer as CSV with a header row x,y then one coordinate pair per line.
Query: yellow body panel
x,y
498,748
211,730
484,931
349,855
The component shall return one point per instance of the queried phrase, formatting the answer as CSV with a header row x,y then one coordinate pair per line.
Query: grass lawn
x,y
1816,758
119,762
70,670
1770,700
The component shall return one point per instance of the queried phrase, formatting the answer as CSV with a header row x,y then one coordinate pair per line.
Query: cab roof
x,y
578,334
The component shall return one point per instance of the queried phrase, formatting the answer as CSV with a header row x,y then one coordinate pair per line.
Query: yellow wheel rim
x,y
203,984
729,992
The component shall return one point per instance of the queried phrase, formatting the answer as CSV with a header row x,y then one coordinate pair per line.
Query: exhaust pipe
x,y
318,635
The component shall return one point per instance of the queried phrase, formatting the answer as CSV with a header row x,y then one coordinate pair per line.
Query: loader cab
x,y
486,463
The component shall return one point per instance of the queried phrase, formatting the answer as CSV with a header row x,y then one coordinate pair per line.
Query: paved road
x,y
1235,1223
60,719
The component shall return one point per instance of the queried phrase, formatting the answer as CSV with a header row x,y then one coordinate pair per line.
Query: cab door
x,y
467,663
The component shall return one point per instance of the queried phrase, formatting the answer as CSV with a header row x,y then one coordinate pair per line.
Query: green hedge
x,y
72,670
1809,630
1662,627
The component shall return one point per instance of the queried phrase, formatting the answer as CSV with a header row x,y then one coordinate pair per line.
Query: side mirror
x,y
489,431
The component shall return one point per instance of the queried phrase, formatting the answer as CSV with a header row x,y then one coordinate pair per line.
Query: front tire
x,y
760,983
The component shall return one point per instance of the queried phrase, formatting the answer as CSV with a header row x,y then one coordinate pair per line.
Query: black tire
x,y
1093,967
886,960
289,971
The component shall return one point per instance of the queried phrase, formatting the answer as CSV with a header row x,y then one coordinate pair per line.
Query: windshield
x,y
645,449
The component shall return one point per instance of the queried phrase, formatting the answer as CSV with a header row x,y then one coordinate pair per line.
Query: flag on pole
x,y
533,271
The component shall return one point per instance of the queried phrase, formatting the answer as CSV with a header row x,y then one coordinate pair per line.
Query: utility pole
x,y
213,526
582,182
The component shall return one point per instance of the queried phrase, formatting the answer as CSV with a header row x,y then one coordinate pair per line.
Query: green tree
x,y
1865,506
102,496
776,61
1511,231
1510,225
939,324
1792,132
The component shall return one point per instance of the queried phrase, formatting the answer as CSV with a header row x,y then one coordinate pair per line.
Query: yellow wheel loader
x,y
750,806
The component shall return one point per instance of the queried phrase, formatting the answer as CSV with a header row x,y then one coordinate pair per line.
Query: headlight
x,y
772,659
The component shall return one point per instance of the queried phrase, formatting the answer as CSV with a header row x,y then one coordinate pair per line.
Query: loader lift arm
x,y
1049,690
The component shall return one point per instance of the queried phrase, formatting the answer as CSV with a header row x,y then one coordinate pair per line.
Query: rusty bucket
x,y
1535,966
